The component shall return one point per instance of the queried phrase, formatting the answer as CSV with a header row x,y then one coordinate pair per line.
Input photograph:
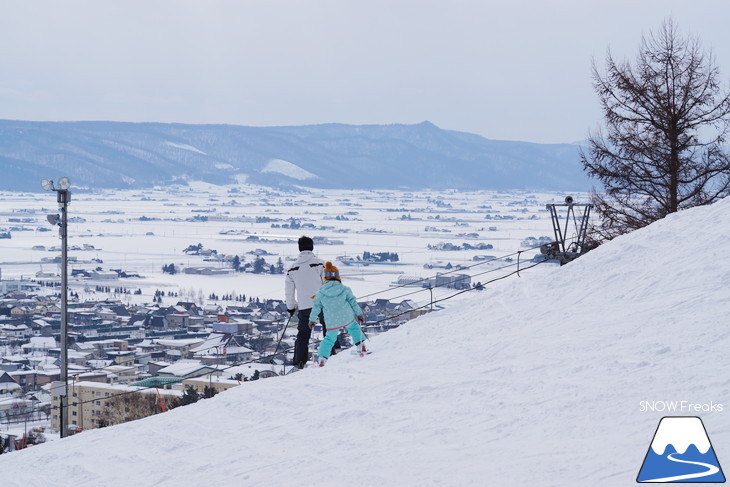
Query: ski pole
x,y
282,336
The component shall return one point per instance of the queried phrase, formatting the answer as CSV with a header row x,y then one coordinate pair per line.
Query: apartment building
x,y
88,401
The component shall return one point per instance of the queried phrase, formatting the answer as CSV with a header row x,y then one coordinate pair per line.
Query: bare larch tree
x,y
666,121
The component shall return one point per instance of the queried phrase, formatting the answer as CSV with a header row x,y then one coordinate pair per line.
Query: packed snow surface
x,y
289,169
537,381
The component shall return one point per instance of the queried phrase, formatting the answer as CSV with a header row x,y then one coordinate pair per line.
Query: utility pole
x,y
63,199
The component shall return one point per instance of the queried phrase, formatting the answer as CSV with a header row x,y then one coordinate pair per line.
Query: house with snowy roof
x,y
187,369
234,326
212,309
10,404
76,357
179,317
105,314
137,320
98,364
157,322
8,384
101,347
11,363
92,376
155,366
207,271
221,348
190,307
17,331
408,310
32,380
103,275
121,357
214,342
177,349
123,374
39,345
42,326
52,309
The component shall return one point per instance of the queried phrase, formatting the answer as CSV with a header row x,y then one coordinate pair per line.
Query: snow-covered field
x,y
537,382
140,231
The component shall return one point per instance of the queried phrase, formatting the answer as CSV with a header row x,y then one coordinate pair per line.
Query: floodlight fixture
x,y
47,184
64,183
53,219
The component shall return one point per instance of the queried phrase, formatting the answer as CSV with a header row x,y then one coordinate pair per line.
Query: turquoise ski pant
x,y
325,347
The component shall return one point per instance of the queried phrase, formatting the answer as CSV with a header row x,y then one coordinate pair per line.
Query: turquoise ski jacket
x,y
339,305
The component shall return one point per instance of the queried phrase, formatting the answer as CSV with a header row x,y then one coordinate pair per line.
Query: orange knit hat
x,y
331,272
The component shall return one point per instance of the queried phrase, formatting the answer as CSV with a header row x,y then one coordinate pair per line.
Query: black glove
x,y
291,311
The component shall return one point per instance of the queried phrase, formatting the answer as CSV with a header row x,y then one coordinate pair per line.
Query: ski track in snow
x,y
535,382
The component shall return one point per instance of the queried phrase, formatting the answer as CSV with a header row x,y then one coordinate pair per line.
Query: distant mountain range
x,y
137,155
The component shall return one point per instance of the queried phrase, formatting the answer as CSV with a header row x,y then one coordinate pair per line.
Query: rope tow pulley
x,y
558,249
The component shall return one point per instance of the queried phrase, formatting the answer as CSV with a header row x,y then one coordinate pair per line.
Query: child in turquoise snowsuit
x,y
340,311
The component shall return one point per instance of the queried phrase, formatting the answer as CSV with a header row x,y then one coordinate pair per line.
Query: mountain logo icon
x,y
681,452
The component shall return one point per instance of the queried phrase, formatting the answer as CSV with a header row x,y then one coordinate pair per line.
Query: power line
x,y
426,279
460,268
389,318
271,356
452,295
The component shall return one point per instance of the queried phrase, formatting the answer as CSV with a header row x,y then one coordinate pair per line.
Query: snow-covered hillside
x,y
138,155
536,382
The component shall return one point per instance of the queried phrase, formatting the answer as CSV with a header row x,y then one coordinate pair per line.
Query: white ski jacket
x,y
305,276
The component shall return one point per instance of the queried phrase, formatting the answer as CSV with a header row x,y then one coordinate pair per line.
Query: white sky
x,y
504,70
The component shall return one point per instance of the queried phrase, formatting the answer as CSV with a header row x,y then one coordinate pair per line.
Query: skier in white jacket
x,y
303,280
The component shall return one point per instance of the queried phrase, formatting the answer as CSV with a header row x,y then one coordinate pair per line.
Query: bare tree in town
x,y
21,412
666,121
129,407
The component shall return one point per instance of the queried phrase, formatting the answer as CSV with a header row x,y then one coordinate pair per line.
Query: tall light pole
x,y
64,198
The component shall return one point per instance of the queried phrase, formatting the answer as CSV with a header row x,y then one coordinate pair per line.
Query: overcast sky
x,y
505,70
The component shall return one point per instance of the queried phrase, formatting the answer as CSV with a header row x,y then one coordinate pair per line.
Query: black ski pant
x,y
304,333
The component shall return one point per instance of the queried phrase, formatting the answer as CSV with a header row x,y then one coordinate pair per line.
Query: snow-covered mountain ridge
x,y
535,382
136,155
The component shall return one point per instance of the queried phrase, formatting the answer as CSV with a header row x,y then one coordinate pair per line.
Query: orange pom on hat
x,y
331,272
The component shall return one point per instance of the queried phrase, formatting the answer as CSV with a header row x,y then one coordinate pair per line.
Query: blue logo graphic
x,y
681,452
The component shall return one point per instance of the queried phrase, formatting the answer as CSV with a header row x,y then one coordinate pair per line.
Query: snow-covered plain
x,y
537,382
140,231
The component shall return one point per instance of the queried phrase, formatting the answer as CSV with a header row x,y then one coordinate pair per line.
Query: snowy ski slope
x,y
536,382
